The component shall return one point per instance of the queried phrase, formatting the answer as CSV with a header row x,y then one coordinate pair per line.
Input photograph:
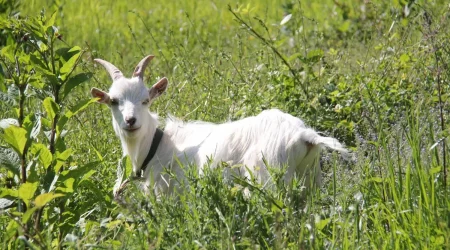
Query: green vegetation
x,y
373,74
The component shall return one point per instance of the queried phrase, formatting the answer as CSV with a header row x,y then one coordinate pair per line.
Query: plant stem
x,y
54,122
437,59
266,42
23,160
154,40
441,117
23,163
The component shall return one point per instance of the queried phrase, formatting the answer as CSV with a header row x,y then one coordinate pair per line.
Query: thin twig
x,y
267,43
153,38
437,59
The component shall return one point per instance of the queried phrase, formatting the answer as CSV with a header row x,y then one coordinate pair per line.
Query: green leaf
x,y
75,49
73,82
28,123
38,61
16,137
222,218
80,106
69,65
376,179
128,167
62,121
51,21
344,27
64,54
24,60
42,46
46,122
51,78
99,155
404,58
276,205
37,82
37,31
44,154
60,145
8,52
11,229
27,215
294,56
8,192
114,224
61,158
289,82
26,191
33,174
322,223
43,71
439,241
314,53
50,107
42,199
68,186
80,174
435,170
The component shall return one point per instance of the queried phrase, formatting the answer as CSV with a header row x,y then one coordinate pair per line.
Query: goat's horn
x,y
113,71
140,68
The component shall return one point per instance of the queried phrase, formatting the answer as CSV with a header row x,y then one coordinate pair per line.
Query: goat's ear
x,y
104,97
158,88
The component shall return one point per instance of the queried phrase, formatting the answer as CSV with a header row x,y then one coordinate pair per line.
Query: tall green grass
x,y
373,74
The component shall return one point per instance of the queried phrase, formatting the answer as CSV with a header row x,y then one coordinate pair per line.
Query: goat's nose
x,y
130,121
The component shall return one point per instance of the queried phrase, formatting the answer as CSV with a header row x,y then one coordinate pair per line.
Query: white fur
x,y
272,136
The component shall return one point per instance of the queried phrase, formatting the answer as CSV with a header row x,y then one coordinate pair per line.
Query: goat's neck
x,y
138,147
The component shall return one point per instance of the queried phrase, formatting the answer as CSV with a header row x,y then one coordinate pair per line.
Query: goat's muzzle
x,y
130,121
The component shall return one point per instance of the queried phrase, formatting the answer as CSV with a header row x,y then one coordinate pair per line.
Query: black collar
x,y
155,143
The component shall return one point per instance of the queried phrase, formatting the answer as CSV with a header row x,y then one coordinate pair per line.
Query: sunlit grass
x,y
369,71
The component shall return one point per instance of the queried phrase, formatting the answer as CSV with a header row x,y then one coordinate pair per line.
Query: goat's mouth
x,y
131,129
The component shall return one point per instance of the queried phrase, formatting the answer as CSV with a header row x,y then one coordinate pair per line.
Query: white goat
x,y
272,136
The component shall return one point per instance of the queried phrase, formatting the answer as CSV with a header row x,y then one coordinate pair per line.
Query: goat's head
x,y
129,98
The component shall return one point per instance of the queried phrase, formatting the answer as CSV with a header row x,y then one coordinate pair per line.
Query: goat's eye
x,y
114,102
146,102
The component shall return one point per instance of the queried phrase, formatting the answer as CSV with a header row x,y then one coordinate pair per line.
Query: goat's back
x,y
272,137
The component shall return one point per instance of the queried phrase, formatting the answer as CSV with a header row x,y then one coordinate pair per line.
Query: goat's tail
x,y
311,136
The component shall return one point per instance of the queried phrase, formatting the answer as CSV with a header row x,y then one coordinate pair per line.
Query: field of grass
x,y
374,74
